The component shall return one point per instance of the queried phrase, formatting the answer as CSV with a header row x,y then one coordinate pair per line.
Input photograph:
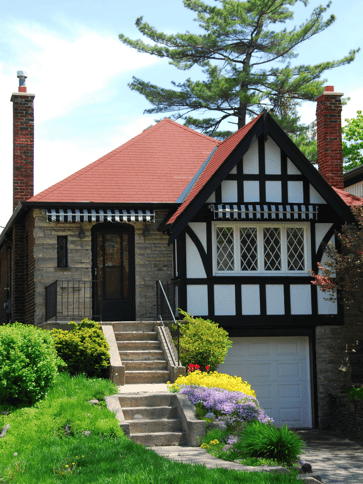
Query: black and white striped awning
x,y
98,215
268,211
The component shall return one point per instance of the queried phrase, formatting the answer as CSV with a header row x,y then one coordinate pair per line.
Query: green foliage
x,y
354,393
267,441
202,342
84,349
28,363
39,451
353,142
246,61
341,276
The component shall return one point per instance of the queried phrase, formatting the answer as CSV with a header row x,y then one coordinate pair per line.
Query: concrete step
x,y
137,336
149,400
138,345
142,355
153,376
154,426
128,326
150,413
147,365
160,438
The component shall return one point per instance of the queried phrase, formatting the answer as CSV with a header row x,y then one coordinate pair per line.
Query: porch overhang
x,y
98,215
268,211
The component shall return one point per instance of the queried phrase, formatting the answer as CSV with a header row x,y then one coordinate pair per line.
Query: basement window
x,y
62,251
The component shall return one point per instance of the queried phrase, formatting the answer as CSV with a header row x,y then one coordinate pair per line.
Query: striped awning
x,y
98,215
268,211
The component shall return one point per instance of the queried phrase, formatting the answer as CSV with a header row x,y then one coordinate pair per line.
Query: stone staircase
x,y
152,419
140,351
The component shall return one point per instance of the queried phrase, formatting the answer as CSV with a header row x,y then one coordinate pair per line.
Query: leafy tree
x,y
353,142
341,277
246,57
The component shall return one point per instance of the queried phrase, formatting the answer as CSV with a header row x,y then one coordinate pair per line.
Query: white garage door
x,y
278,369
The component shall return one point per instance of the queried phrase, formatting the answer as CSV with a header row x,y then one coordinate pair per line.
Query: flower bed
x,y
213,380
234,409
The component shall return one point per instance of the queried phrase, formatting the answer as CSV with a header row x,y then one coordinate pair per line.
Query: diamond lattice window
x,y
225,249
249,250
295,249
272,249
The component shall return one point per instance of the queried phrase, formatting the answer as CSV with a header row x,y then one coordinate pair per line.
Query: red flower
x,y
207,367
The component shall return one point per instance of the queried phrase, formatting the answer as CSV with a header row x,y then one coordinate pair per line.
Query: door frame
x,y
115,228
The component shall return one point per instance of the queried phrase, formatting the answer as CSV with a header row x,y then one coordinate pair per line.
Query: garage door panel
x,y
259,349
278,369
262,371
290,416
286,350
290,391
289,370
263,392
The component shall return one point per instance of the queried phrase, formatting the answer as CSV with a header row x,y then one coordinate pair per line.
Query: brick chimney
x,y
330,156
23,142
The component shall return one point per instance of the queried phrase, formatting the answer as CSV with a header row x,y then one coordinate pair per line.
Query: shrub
x,y
28,363
353,393
267,441
202,342
213,380
84,348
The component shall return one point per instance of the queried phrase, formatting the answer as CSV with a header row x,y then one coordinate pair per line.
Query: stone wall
x,y
45,255
354,341
330,352
347,416
153,260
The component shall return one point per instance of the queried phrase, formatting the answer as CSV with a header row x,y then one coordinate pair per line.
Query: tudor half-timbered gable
x,y
244,256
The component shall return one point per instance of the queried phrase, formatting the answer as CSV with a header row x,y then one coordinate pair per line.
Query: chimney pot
x,y
22,75
329,88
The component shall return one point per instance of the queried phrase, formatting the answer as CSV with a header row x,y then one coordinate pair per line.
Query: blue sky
x,y
79,71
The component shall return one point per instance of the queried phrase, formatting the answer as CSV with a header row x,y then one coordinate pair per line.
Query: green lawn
x,y
36,449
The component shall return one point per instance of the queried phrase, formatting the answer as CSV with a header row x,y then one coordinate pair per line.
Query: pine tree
x,y
247,60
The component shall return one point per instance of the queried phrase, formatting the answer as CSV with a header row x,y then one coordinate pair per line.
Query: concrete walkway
x,y
335,459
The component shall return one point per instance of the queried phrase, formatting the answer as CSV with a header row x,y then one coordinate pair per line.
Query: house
x,y
353,181
234,225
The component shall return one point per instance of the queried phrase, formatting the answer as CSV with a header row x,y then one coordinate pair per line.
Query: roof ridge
x,y
193,131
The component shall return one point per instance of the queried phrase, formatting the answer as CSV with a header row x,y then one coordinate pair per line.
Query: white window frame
x,y
260,226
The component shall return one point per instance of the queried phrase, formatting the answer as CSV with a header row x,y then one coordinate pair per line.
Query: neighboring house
x,y
353,181
236,225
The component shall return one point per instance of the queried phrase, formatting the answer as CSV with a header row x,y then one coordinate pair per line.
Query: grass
x,y
36,449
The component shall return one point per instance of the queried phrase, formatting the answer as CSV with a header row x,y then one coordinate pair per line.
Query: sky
x,y
79,72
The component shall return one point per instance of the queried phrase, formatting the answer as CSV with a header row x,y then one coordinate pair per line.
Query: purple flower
x,y
232,408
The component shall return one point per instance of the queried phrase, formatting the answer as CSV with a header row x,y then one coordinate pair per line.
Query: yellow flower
x,y
67,465
76,456
215,380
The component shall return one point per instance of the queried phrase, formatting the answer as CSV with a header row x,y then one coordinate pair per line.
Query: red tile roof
x,y
153,167
348,198
217,160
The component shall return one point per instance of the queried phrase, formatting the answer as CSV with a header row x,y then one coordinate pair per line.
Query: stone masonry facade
x,y
153,260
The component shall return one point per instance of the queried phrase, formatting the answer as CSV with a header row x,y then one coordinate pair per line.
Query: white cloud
x,y
67,69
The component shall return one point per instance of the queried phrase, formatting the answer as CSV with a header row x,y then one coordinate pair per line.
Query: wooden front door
x,y
114,272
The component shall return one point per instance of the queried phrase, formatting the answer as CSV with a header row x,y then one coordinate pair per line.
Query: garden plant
x,y
28,363
248,431
84,348
202,342
67,439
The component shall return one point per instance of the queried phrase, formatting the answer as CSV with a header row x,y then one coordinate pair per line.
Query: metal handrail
x,y
175,322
